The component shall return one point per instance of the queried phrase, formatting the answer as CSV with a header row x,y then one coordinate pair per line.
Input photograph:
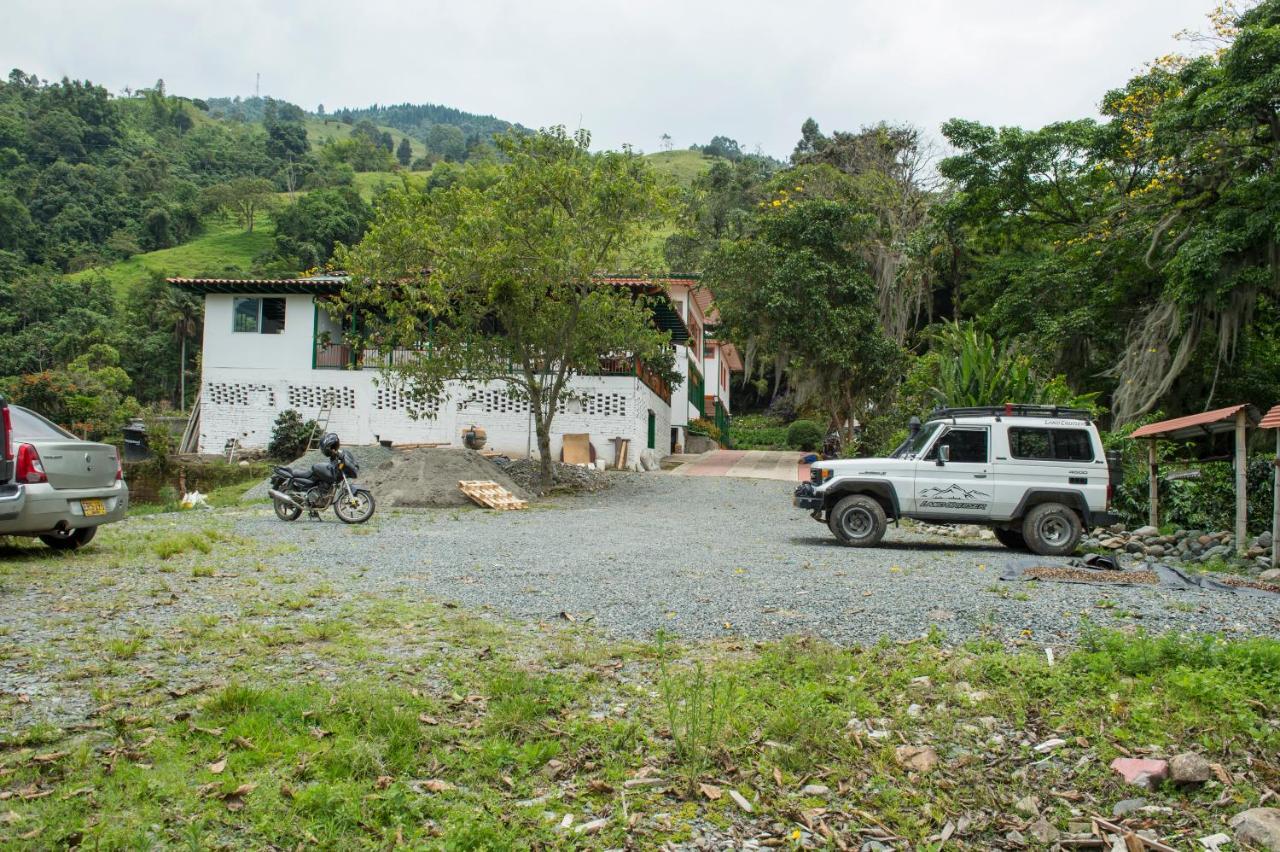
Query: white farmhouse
x,y
270,345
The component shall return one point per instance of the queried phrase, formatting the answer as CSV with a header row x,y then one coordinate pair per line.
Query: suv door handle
x,y
979,476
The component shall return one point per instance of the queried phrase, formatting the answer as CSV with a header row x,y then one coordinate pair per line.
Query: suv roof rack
x,y
1012,410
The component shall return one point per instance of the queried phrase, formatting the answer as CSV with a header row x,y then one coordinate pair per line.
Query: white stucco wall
x,y
291,349
243,403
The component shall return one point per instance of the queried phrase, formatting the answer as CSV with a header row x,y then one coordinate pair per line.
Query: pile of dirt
x,y
566,478
429,477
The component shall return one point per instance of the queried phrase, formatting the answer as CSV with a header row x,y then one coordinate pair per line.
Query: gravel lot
x,y
701,557
709,557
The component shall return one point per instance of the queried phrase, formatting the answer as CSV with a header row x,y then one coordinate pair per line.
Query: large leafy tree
x,y
802,288
498,275
1155,231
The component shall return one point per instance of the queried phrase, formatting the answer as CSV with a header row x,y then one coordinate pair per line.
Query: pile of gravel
x,y
566,478
428,477
414,479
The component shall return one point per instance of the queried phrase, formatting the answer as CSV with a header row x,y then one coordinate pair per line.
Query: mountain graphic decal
x,y
953,492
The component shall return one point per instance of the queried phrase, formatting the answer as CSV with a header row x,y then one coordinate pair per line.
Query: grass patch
x,y
224,249
448,752
759,432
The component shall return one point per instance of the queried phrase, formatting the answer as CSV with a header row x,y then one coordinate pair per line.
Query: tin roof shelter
x,y
1271,420
1234,418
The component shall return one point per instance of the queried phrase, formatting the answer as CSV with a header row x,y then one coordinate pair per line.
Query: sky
x,y
627,71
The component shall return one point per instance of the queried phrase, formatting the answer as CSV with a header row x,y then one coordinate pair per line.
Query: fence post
x,y
1153,485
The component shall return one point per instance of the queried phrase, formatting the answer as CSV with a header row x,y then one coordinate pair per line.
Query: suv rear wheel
x,y
1052,529
858,521
1011,539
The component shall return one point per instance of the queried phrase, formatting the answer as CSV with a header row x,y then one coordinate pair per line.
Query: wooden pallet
x,y
491,495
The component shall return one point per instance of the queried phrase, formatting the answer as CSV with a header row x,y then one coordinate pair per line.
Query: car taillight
x,y
8,433
119,470
30,468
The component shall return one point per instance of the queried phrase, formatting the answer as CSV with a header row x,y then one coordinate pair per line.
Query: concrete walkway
x,y
751,464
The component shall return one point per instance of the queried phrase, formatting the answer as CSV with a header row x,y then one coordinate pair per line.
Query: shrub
x,y
804,435
289,436
703,426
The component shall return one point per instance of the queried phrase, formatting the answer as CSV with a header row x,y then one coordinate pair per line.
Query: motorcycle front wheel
x,y
355,508
285,512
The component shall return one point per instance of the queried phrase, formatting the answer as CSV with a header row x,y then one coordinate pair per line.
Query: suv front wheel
x,y
1052,529
858,521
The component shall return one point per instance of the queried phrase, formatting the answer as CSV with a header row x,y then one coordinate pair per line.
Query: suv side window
x,y
1050,444
967,445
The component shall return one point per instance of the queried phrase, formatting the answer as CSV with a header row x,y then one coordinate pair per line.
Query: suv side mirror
x,y
944,454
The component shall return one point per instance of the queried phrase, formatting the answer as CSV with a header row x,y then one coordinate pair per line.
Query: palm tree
x,y
182,312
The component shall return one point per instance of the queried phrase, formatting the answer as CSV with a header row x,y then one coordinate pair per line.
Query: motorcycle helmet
x,y
329,444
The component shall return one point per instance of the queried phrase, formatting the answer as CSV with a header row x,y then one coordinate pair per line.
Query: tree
x,y
404,151
666,141
244,197
515,254
447,142
800,286
89,396
308,230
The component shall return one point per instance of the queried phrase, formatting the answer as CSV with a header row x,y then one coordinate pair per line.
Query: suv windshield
x,y
29,426
913,446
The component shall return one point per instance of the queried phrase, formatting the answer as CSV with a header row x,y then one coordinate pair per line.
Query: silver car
x,y
53,484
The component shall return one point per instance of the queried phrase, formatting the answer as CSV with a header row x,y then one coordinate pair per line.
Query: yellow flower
x,y
777,203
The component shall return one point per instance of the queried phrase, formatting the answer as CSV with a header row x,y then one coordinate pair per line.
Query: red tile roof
x,y
1195,425
1271,420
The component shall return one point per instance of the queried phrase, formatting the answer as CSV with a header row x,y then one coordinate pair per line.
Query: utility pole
x,y
257,85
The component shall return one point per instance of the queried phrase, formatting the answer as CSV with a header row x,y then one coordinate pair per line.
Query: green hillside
x,y
223,250
681,166
368,184
321,130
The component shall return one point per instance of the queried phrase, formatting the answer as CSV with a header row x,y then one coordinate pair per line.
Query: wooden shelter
x,y
1234,418
1271,420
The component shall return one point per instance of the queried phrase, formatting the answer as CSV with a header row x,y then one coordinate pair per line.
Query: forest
x,y
1128,263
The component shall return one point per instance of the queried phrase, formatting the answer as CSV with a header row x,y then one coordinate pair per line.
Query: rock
x,y
1127,806
650,460
1146,532
1264,540
1015,837
1259,826
1042,831
916,758
1215,842
1204,540
874,846
915,711
1113,543
1154,550
816,790
1027,806
1189,768
968,531
1133,547
1254,552
1271,575
1049,745
1141,772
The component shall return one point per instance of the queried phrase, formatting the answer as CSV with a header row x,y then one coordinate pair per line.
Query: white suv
x,y
1037,475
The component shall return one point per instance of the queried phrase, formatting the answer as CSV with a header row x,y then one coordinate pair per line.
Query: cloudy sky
x,y
628,71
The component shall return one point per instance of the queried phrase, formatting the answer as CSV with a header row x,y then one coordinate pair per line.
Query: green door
x,y
653,423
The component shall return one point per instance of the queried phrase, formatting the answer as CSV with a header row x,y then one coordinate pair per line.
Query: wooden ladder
x,y
322,424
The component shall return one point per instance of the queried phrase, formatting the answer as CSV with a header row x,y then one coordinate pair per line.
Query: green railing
x,y
722,423
697,389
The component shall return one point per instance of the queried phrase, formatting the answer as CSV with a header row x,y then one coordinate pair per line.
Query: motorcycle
x,y
325,484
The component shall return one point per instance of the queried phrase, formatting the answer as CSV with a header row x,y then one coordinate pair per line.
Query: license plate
x,y
93,508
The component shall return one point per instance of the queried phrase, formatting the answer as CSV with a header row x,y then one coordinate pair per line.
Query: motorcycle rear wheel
x,y
285,512
355,509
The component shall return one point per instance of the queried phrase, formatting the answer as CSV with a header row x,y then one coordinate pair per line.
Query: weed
x,y
698,709
179,543
202,571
